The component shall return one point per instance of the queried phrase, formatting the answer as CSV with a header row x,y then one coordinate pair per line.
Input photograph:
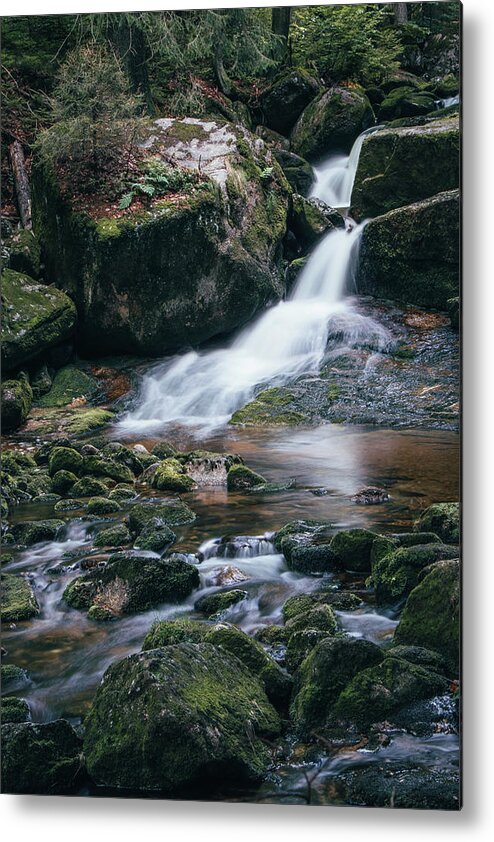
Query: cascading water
x,y
335,178
202,390
448,101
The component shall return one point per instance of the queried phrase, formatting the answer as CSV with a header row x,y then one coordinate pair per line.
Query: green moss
x,y
114,536
16,399
40,758
68,384
241,478
352,549
333,392
163,450
67,505
89,487
24,253
63,482
173,513
34,531
18,601
397,573
443,519
13,677
87,420
215,603
102,467
122,494
102,506
382,545
267,409
170,632
331,122
17,461
171,476
14,710
319,617
299,646
65,459
309,558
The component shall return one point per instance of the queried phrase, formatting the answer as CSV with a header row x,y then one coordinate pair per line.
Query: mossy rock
x,y
14,710
299,646
68,505
299,173
331,123
420,656
16,462
375,693
442,519
411,254
285,99
272,635
164,450
242,478
31,532
301,528
382,546
171,513
269,408
171,476
102,506
100,466
171,632
35,317
311,219
14,678
114,536
320,617
89,487
40,758
65,459
391,784
431,616
405,102
215,603
309,558
16,398
68,384
41,382
184,722
400,166
217,243
129,584
24,252
18,601
122,493
85,421
396,574
352,549
303,603
155,538
324,674
124,456
63,482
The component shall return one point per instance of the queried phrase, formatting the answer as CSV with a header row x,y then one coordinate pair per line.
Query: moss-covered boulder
x,y
303,603
431,616
170,632
390,784
443,519
270,408
215,603
411,254
41,382
65,459
31,532
399,166
18,601
405,102
286,98
14,709
40,758
171,513
298,172
331,123
419,655
67,505
299,528
14,678
306,557
324,674
69,384
100,466
102,506
24,252
373,694
218,244
89,487
310,219
114,536
63,482
169,718
155,537
130,583
397,573
320,617
35,317
171,476
242,478
16,401
299,645
352,549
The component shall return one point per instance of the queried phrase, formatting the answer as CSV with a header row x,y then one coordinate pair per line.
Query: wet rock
x,y
14,678
301,528
370,496
405,102
68,505
207,468
35,317
114,536
16,398
352,548
63,482
155,537
310,219
145,268
241,478
40,759
89,487
428,717
168,718
398,166
41,382
411,254
163,450
24,253
331,123
308,558
169,513
171,476
431,616
324,675
299,646
395,784
287,97
171,632
128,584
70,384
215,603
318,617
31,532
14,710
299,173
421,656
227,575
442,519
122,493
270,408
65,459
397,573
100,466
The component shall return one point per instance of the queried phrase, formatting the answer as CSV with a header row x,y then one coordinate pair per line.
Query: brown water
x,y
66,654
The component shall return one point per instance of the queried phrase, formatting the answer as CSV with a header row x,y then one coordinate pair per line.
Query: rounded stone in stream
x,y
40,759
370,496
216,602
166,719
395,784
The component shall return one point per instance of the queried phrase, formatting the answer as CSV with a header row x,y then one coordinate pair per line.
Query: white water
x,y
202,390
448,102
335,178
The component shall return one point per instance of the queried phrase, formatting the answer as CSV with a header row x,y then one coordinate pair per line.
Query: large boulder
x,y
16,401
287,97
411,254
397,573
405,102
40,758
443,519
310,219
392,784
168,718
299,173
189,267
331,123
398,166
35,317
17,598
431,616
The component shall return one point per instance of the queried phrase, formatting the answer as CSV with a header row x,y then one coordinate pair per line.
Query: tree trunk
x,y
280,26
130,43
222,79
21,181
400,12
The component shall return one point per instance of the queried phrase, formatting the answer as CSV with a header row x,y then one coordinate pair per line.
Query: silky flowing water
x,y
189,399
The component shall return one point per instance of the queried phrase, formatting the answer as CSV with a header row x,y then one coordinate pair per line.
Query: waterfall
x,y
448,102
203,389
335,177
